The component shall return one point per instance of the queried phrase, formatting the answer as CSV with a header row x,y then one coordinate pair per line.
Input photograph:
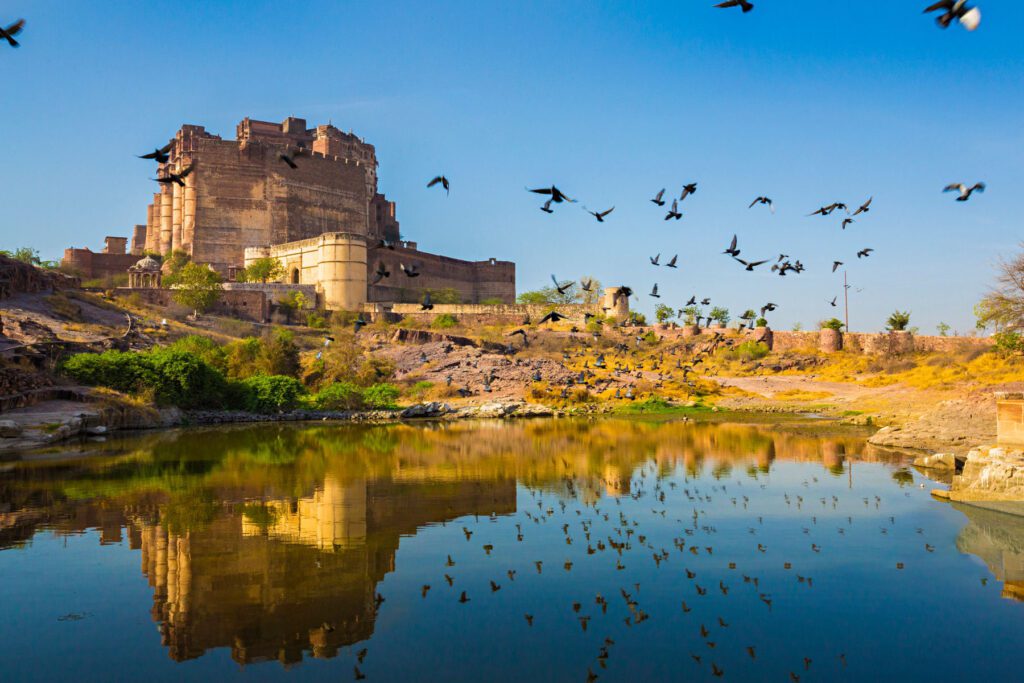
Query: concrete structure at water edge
x,y
306,196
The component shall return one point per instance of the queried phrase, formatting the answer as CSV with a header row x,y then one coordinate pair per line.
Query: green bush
x,y
176,378
270,393
339,396
1009,342
316,321
761,322
381,397
898,321
832,324
749,350
444,321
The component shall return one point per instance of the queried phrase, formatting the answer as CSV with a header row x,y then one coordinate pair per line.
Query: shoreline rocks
x,y
990,474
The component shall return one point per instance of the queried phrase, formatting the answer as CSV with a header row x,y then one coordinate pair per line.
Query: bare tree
x,y
1003,306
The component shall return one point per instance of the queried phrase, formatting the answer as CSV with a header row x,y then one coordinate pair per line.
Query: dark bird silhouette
x,y
768,308
557,196
654,291
835,265
359,675
562,288
11,31
360,323
745,4
864,208
178,178
599,215
687,191
410,270
622,291
969,17
381,273
386,244
732,250
763,200
692,301
553,316
833,302
674,211
864,253
290,158
654,260
753,264
705,302
672,263
426,305
847,221
965,192
547,207
462,598
443,181
658,198
586,285
529,619
160,155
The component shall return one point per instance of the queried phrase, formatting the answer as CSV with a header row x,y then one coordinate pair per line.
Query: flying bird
x,y
382,272
864,253
965,192
411,271
763,200
600,216
753,264
178,178
692,301
864,208
622,291
745,4
732,250
426,305
443,181
562,289
547,206
847,221
969,17
674,211
654,291
553,316
688,189
672,263
768,308
658,198
654,260
835,265
290,158
833,302
557,196
160,155
11,31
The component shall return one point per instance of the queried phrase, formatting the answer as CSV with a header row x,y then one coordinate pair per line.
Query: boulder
x,y
432,409
990,474
9,429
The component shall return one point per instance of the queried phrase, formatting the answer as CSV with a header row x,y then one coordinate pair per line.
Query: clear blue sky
x,y
805,101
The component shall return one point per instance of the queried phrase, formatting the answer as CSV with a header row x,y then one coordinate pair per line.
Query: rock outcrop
x,y
990,474
951,425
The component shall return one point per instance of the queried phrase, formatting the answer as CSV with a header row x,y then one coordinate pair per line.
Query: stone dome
x,y
147,263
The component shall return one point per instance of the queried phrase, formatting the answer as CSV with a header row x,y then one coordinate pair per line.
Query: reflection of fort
x,y
271,540
302,575
998,539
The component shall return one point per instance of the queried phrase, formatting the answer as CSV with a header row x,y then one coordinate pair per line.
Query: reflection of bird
x,y
965,192
439,179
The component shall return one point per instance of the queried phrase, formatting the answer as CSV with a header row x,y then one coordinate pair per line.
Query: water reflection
x,y
273,542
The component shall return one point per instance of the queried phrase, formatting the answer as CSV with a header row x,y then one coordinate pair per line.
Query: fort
x,y
306,196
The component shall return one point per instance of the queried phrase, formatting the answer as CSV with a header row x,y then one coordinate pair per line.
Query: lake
x,y
549,550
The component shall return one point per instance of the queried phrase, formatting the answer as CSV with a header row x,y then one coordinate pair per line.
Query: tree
x,y
719,314
294,301
175,261
691,313
28,255
898,321
196,286
549,295
748,314
943,329
831,324
1003,306
448,295
595,293
263,270
664,313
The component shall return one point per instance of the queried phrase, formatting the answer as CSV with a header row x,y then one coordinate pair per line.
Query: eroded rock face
x,y
951,425
938,461
990,474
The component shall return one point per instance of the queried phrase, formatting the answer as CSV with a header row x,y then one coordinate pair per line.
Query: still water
x,y
544,551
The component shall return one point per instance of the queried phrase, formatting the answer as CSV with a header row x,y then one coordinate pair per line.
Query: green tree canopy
x,y
263,270
196,286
